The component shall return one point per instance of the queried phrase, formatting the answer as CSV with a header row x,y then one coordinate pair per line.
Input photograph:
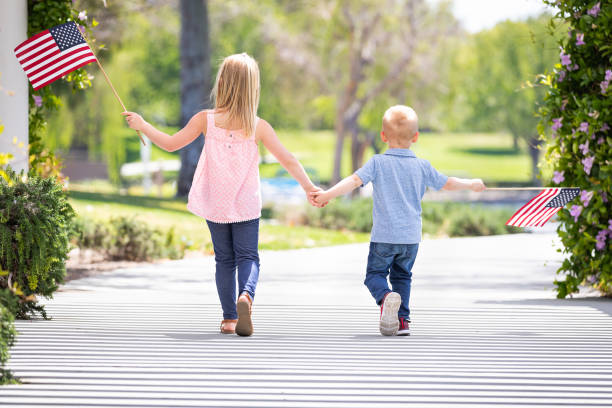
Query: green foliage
x,y
127,238
44,14
491,69
34,219
7,339
578,109
439,219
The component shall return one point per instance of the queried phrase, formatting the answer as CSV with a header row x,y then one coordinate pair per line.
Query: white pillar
x,y
13,83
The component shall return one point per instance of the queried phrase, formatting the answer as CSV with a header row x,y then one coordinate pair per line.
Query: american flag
x,y
542,207
53,53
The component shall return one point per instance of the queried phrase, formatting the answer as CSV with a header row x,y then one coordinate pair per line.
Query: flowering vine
x,y
575,115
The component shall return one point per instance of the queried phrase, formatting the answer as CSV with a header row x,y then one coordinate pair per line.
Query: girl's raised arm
x,y
169,143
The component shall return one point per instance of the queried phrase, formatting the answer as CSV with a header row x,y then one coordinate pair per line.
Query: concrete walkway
x,y
486,331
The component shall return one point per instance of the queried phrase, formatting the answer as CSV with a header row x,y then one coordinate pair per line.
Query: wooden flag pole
x,y
110,83
117,96
520,188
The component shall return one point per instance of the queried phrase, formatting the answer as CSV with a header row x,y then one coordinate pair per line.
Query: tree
x,y
195,81
380,44
491,81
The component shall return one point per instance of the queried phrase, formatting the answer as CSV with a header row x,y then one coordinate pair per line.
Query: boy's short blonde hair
x,y
400,122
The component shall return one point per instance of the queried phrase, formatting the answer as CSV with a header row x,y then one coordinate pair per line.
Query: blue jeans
x,y
395,261
235,245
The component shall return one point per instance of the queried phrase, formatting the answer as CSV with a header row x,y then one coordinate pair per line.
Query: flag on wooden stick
x,y
542,207
53,53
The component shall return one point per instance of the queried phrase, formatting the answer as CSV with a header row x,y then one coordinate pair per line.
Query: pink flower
x,y
610,225
587,164
605,127
37,100
608,75
580,39
584,147
585,197
83,15
575,212
561,77
594,11
566,59
557,123
601,240
604,86
584,127
558,177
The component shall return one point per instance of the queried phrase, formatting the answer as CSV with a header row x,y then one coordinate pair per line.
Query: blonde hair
x,y
236,90
400,122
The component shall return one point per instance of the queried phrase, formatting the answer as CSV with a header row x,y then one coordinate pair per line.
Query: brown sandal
x,y
244,327
228,326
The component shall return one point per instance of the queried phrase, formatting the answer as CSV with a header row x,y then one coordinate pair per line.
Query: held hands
x,y
477,185
134,120
318,198
312,194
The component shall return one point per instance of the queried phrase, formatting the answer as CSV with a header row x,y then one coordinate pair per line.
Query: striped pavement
x,y
484,334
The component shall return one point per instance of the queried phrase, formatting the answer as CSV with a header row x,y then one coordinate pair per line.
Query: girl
x,y
225,189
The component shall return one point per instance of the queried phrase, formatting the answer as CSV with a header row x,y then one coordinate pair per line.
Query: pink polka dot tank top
x,y
225,185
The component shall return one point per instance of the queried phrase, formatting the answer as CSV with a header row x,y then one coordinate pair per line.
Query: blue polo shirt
x,y
399,179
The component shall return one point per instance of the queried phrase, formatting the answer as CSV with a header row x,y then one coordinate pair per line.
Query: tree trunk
x,y
533,144
515,144
338,149
195,81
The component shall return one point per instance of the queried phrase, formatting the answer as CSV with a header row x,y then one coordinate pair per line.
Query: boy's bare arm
x,y
343,187
455,183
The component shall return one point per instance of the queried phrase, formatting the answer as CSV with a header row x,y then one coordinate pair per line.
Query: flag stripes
x,y
542,207
53,53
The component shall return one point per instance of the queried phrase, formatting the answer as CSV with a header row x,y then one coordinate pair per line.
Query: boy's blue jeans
x,y
235,245
395,261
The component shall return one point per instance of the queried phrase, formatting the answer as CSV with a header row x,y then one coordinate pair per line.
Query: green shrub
x,y
7,339
127,238
34,226
355,215
578,112
439,219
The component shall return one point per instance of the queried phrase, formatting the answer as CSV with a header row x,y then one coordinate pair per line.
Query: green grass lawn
x,y
166,213
484,155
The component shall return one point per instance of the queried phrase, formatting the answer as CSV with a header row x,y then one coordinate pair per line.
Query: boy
x,y
399,179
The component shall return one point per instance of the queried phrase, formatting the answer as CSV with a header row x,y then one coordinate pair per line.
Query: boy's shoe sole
x,y
389,323
244,327
405,332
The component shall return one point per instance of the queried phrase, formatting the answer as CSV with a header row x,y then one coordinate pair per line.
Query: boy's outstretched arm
x,y
455,183
343,187
169,143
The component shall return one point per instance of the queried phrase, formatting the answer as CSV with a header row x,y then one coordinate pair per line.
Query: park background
x,y
327,69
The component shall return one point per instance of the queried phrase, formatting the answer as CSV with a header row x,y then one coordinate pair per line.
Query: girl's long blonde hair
x,y
236,90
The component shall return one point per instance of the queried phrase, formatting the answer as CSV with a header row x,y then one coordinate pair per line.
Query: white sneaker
x,y
389,323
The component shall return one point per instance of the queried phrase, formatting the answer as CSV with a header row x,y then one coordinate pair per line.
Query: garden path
x,y
486,331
